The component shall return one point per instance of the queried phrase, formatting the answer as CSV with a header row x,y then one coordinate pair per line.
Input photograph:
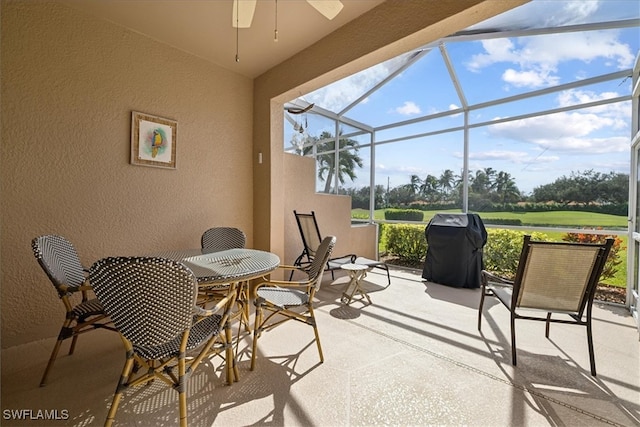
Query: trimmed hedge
x,y
404,215
502,221
406,241
502,251
500,254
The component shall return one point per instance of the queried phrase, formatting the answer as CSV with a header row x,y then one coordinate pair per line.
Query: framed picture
x,y
153,141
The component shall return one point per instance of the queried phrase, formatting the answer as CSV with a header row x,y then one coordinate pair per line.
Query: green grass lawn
x,y
556,218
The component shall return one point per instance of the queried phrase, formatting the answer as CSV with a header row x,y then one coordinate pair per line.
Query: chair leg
x,y
482,295
513,339
257,328
182,392
54,352
122,384
548,323
315,331
230,360
73,344
592,357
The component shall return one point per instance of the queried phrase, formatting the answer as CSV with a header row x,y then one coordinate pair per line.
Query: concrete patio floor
x,y
413,357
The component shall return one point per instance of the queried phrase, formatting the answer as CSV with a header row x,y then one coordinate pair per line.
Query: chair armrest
x,y
72,289
289,267
284,267
493,278
285,283
352,258
220,304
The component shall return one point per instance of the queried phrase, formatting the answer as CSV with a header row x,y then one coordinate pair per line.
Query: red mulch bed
x,y
604,292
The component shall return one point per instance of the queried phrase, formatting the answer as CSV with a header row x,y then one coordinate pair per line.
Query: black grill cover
x,y
454,250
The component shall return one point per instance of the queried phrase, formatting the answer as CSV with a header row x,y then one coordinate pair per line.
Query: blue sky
x,y
534,151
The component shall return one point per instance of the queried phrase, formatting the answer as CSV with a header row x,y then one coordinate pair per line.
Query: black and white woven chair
x,y
152,302
223,238
218,239
282,299
59,260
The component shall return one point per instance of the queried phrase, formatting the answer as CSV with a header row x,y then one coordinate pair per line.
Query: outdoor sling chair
x,y
284,300
59,260
558,278
311,238
152,302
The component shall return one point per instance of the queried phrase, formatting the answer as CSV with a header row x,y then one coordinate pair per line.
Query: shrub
x,y
503,248
359,215
613,261
403,215
406,241
503,221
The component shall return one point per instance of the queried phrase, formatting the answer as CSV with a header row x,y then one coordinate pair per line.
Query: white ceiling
x,y
204,28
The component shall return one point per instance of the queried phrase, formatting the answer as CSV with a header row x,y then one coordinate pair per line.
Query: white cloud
x,y
569,132
536,59
396,175
580,96
542,14
531,78
518,157
336,96
497,50
578,10
408,108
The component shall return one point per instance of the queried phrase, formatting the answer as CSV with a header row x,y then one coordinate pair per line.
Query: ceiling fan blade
x,y
329,8
243,13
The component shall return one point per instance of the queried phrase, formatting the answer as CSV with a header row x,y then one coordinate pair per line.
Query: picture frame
x,y
153,140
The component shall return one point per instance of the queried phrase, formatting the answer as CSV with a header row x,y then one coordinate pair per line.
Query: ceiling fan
x,y
243,10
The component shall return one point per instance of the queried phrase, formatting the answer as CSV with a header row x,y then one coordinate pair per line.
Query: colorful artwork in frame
x,y
153,141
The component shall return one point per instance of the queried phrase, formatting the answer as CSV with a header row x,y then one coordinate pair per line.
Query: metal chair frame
x,y
515,295
311,238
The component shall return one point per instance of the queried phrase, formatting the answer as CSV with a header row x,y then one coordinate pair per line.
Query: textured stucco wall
x,y
333,213
69,84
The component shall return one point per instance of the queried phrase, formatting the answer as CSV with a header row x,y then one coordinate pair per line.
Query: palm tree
x,y
347,161
429,189
416,184
481,183
446,182
505,187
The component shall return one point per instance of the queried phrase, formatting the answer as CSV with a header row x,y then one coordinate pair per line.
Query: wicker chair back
x,y
59,259
150,300
223,238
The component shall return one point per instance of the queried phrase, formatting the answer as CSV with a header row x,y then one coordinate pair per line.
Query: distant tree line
x,y
491,190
